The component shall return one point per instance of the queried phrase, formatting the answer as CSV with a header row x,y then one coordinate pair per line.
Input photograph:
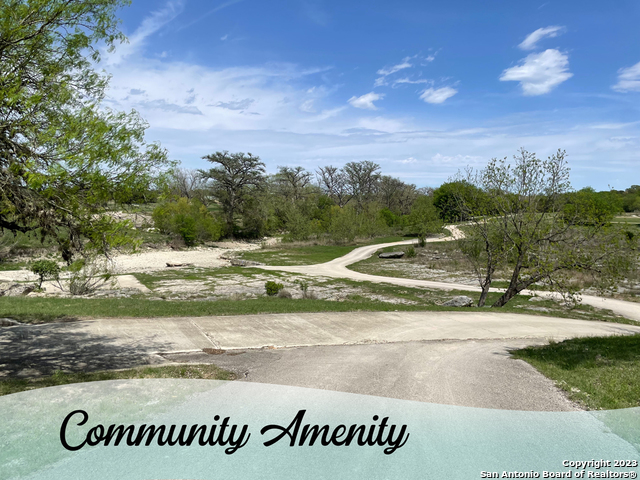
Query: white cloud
x,y
407,161
539,73
628,79
224,37
148,27
437,95
307,106
400,81
396,68
532,39
366,100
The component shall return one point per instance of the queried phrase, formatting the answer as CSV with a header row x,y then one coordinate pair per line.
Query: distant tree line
x,y
331,203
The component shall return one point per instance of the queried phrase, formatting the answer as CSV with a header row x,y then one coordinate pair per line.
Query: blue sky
x,y
421,88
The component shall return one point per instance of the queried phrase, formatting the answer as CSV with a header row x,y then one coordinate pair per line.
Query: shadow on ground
x,y
29,351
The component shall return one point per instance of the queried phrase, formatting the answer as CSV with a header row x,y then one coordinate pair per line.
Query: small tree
x,y
527,217
233,182
46,270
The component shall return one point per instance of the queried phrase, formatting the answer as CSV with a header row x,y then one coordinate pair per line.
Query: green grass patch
x,y
296,254
209,372
51,309
599,373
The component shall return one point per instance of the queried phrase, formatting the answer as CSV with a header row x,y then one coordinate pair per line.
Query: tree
x,y
362,180
234,180
453,199
187,183
63,155
528,217
292,182
423,218
333,183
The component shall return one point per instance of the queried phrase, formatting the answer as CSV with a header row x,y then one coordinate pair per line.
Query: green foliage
x,y
189,219
272,288
62,154
46,270
410,251
236,181
423,219
448,200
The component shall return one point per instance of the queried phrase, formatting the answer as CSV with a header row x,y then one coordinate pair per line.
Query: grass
x,y
598,373
51,309
210,372
308,254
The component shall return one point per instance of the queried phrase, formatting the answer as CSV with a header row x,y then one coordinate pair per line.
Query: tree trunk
x,y
512,289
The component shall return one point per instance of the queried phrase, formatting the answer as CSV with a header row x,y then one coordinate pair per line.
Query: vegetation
x,y
46,270
189,219
62,155
52,309
273,288
209,372
599,373
526,216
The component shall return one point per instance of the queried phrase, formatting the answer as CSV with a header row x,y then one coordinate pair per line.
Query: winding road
x,y
457,358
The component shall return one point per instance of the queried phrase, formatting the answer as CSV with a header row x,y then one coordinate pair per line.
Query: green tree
x,y
423,218
447,199
235,181
63,155
531,220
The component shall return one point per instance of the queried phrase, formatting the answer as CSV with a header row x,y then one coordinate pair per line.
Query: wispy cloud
x,y
532,39
236,104
366,100
396,68
437,95
539,73
148,27
628,79
210,12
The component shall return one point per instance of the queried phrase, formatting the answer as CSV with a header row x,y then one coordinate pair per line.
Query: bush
x,y
285,294
189,219
46,270
410,251
87,275
273,288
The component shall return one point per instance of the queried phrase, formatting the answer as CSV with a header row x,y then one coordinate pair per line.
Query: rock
x,y
538,299
459,301
28,290
170,264
9,322
391,255
15,290
243,263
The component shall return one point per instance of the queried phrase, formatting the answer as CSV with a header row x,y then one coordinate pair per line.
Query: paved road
x,y
393,354
474,373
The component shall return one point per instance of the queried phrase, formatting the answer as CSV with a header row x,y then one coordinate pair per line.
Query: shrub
x,y
46,270
284,294
410,251
189,219
273,288
87,275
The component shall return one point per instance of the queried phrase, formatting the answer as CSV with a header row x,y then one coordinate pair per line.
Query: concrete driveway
x,y
456,358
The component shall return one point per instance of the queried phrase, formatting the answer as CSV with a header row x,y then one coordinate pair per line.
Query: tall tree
x,y
333,182
235,178
362,180
62,155
292,182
